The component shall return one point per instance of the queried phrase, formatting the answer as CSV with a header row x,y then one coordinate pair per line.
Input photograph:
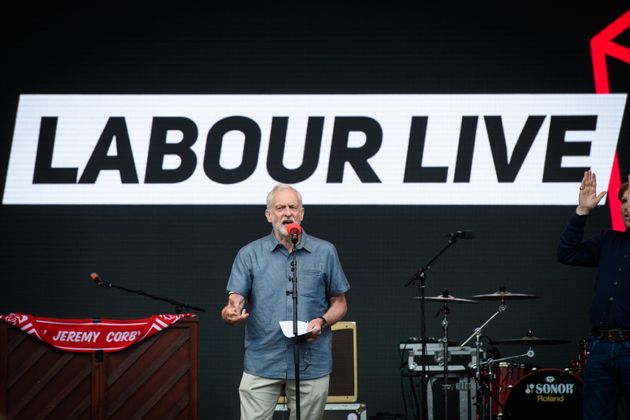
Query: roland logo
x,y
550,391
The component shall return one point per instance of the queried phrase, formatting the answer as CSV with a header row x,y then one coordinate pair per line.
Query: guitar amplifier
x,y
344,382
459,359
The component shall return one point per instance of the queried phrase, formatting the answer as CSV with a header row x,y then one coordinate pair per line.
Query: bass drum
x,y
545,394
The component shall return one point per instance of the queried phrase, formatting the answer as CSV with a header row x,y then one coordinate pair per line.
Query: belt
x,y
616,334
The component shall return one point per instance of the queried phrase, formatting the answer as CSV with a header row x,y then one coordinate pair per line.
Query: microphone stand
x,y
445,386
421,277
179,306
296,344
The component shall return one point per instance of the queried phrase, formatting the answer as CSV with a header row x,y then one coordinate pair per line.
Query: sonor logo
x,y
549,388
339,149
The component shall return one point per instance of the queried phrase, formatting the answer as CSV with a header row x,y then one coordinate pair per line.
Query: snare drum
x,y
545,394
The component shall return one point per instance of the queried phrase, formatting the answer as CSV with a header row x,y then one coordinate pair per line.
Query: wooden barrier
x,y
156,378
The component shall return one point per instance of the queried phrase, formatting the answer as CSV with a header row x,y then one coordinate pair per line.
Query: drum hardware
x,y
501,380
530,340
529,353
505,384
506,376
445,386
445,298
480,386
501,295
506,373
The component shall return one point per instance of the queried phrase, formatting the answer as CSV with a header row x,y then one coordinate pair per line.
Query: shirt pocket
x,y
312,284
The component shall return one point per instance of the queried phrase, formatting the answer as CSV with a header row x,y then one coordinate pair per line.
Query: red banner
x,y
88,335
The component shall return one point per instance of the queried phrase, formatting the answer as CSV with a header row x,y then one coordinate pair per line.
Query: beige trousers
x,y
259,397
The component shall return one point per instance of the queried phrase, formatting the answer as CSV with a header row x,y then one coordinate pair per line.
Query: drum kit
x,y
507,390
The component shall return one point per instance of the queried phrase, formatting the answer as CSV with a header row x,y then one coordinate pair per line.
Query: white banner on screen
x,y
504,149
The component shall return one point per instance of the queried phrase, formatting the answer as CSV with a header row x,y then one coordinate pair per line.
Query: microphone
x,y
96,279
99,282
462,234
295,231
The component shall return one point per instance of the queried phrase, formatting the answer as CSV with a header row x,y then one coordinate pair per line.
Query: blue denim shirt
x,y
610,252
262,274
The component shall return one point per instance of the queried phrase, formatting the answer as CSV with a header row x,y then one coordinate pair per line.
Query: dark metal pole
x,y
296,343
420,276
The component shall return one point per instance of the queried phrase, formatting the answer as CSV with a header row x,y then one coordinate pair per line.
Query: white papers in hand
x,y
287,328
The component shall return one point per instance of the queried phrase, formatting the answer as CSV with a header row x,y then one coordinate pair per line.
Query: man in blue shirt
x,y
607,372
259,292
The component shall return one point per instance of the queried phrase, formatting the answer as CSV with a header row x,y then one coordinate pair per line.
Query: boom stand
x,y
421,278
179,306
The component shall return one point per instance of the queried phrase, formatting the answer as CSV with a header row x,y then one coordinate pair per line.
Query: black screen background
x,y
185,252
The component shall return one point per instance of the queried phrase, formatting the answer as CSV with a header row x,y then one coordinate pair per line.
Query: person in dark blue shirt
x,y
607,372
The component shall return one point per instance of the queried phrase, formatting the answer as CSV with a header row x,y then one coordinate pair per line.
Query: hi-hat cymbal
x,y
445,298
503,294
531,340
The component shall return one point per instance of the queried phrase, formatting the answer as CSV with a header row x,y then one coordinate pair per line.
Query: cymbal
x,y
445,299
503,294
531,340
